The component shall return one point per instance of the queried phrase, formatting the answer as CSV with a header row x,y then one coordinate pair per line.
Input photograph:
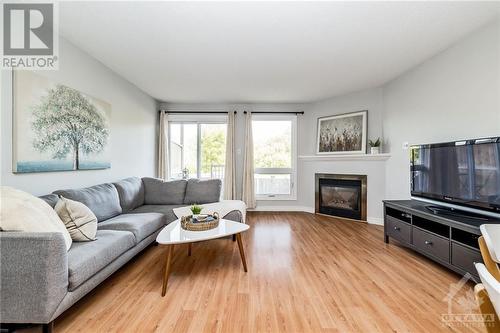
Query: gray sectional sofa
x,y
40,279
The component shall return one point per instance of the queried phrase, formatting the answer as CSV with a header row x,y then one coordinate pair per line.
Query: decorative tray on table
x,y
200,222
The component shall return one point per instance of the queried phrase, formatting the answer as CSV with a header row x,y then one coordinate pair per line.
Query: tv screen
x,y
464,173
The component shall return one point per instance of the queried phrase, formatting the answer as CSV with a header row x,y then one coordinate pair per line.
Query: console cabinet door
x,y
465,257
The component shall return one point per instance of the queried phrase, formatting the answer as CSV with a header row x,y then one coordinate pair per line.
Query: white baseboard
x,y
283,209
370,220
375,220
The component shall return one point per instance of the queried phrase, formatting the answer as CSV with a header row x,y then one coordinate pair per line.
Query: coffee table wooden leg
x,y
170,250
189,249
242,252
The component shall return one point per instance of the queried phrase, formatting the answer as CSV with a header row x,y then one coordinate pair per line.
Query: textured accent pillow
x,y
22,211
78,219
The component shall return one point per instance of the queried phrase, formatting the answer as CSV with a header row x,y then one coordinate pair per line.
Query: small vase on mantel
x,y
375,150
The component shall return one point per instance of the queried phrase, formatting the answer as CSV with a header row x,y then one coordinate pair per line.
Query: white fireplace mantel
x,y
359,157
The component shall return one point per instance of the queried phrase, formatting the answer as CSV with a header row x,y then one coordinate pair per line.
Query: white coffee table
x,y
173,234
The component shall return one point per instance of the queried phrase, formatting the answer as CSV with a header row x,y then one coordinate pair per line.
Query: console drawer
x,y
398,230
431,244
465,257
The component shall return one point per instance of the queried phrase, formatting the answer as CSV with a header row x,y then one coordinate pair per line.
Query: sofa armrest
x,y
33,276
234,215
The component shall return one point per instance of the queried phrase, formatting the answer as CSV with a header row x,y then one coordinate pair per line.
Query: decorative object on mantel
x,y
374,146
200,222
57,128
342,134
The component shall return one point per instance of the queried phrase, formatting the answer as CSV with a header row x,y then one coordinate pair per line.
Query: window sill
x,y
287,198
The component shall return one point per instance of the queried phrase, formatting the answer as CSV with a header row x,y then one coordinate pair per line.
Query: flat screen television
x,y
464,173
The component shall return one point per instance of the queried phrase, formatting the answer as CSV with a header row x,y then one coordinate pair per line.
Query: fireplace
x,y
341,195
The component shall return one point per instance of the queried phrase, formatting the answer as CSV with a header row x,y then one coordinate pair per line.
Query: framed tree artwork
x,y
342,134
57,128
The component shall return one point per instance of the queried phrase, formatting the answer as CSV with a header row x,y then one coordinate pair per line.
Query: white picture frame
x,y
342,134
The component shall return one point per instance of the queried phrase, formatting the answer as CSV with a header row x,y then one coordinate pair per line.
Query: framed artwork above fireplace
x,y
342,134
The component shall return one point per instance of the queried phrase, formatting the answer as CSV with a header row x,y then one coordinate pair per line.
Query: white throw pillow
x,y
78,219
21,211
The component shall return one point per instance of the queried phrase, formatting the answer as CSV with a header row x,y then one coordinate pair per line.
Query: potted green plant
x,y
374,146
196,210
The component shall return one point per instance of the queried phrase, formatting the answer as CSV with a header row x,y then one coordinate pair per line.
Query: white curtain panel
x,y
230,168
162,169
248,195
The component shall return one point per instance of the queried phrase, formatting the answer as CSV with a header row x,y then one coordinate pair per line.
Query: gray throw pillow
x,y
159,192
202,191
78,219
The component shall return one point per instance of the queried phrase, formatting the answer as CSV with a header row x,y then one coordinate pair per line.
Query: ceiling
x,y
265,51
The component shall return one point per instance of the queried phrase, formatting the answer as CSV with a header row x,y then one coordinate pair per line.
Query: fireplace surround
x,y
341,195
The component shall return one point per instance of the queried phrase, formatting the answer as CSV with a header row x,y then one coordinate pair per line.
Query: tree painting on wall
x,y
57,128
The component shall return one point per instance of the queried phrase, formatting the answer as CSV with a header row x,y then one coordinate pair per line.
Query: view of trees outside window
x,y
184,150
213,150
272,143
272,156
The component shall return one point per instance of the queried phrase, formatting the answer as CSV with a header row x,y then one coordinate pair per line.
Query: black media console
x,y
448,239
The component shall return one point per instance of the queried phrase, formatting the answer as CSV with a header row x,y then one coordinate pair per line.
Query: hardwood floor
x,y
306,273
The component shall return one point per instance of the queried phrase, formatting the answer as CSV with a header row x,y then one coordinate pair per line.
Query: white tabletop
x,y
174,234
491,235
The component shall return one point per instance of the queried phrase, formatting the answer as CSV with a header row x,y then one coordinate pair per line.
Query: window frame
x,y
199,120
292,171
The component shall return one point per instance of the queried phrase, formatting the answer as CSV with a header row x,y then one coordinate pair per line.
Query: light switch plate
x,y
405,145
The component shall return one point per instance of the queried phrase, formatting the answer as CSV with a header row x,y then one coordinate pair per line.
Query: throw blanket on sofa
x,y
223,207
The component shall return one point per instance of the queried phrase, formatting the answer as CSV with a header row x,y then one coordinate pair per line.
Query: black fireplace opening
x,y
341,197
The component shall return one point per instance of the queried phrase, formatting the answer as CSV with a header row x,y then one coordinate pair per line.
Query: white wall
x,y
454,95
132,125
370,100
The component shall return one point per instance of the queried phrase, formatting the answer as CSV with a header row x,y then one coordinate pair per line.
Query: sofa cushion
x,y
131,193
85,259
159,192
141,225
51,199
102,199
166,210
202,191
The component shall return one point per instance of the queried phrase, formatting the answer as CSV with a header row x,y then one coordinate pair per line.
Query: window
x,y
197,148
275,142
